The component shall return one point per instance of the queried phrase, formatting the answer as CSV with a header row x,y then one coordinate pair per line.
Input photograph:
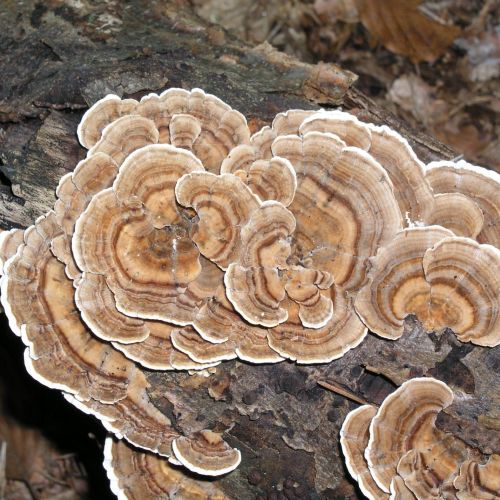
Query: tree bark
x,y
59,57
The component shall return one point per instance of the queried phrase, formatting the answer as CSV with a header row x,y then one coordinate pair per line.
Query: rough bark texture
x,y
60,56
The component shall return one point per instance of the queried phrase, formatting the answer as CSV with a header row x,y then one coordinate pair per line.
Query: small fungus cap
x,y
205,452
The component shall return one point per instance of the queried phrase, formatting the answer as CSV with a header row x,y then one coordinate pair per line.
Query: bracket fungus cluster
x,y
397,452
182,240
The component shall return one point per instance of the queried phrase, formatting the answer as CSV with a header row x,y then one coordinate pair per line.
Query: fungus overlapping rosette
x,y
182,240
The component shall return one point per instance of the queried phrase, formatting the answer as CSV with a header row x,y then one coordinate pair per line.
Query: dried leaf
x,y
337,10
404,29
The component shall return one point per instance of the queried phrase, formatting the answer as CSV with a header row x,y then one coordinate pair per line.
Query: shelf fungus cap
x,y
9,243
270,179
396,284
457,212
476,183
61,351
197,121
344,125
404,421
479,480
354,436
74,192
206,453
342,332
102,113
137,236
135,475
464,277
344,206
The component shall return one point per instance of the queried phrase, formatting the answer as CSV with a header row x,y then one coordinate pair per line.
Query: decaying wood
x,y
59,56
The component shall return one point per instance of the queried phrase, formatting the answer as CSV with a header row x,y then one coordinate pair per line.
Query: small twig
x,y
337,389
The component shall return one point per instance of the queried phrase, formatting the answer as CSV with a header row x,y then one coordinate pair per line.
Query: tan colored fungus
x,y
344,206
205,452
135,475
74,192
190,119
354,436
138,238
9,243
399,490
62,353
251,239
458,213
478,184
478,481
404,422
397,286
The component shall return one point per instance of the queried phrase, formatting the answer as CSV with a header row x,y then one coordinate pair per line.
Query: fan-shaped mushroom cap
x,y
458,213
134,417
157,351
406,171
343,332
124,136
190,342
252,240
404,421
74,193
138,237
283,124
479,481
344,206
399,490
205,452
430,473
218,322
354,439
189,119
135,475
101,114
397,286
253,284
9,243
271,179
224,206
344,125
38,299
479,184
144,341
217,130
464,277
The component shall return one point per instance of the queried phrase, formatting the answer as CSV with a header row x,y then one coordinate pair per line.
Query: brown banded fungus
x,y
445,281
206,453
181,241
354,436
61,351
135,235
9,243
135,475
192,119
478,184
479,481
404,441
250,239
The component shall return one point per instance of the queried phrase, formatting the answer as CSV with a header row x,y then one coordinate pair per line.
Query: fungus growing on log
x,y
206,453
445,281
478,184
181,241
407,456
136,475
